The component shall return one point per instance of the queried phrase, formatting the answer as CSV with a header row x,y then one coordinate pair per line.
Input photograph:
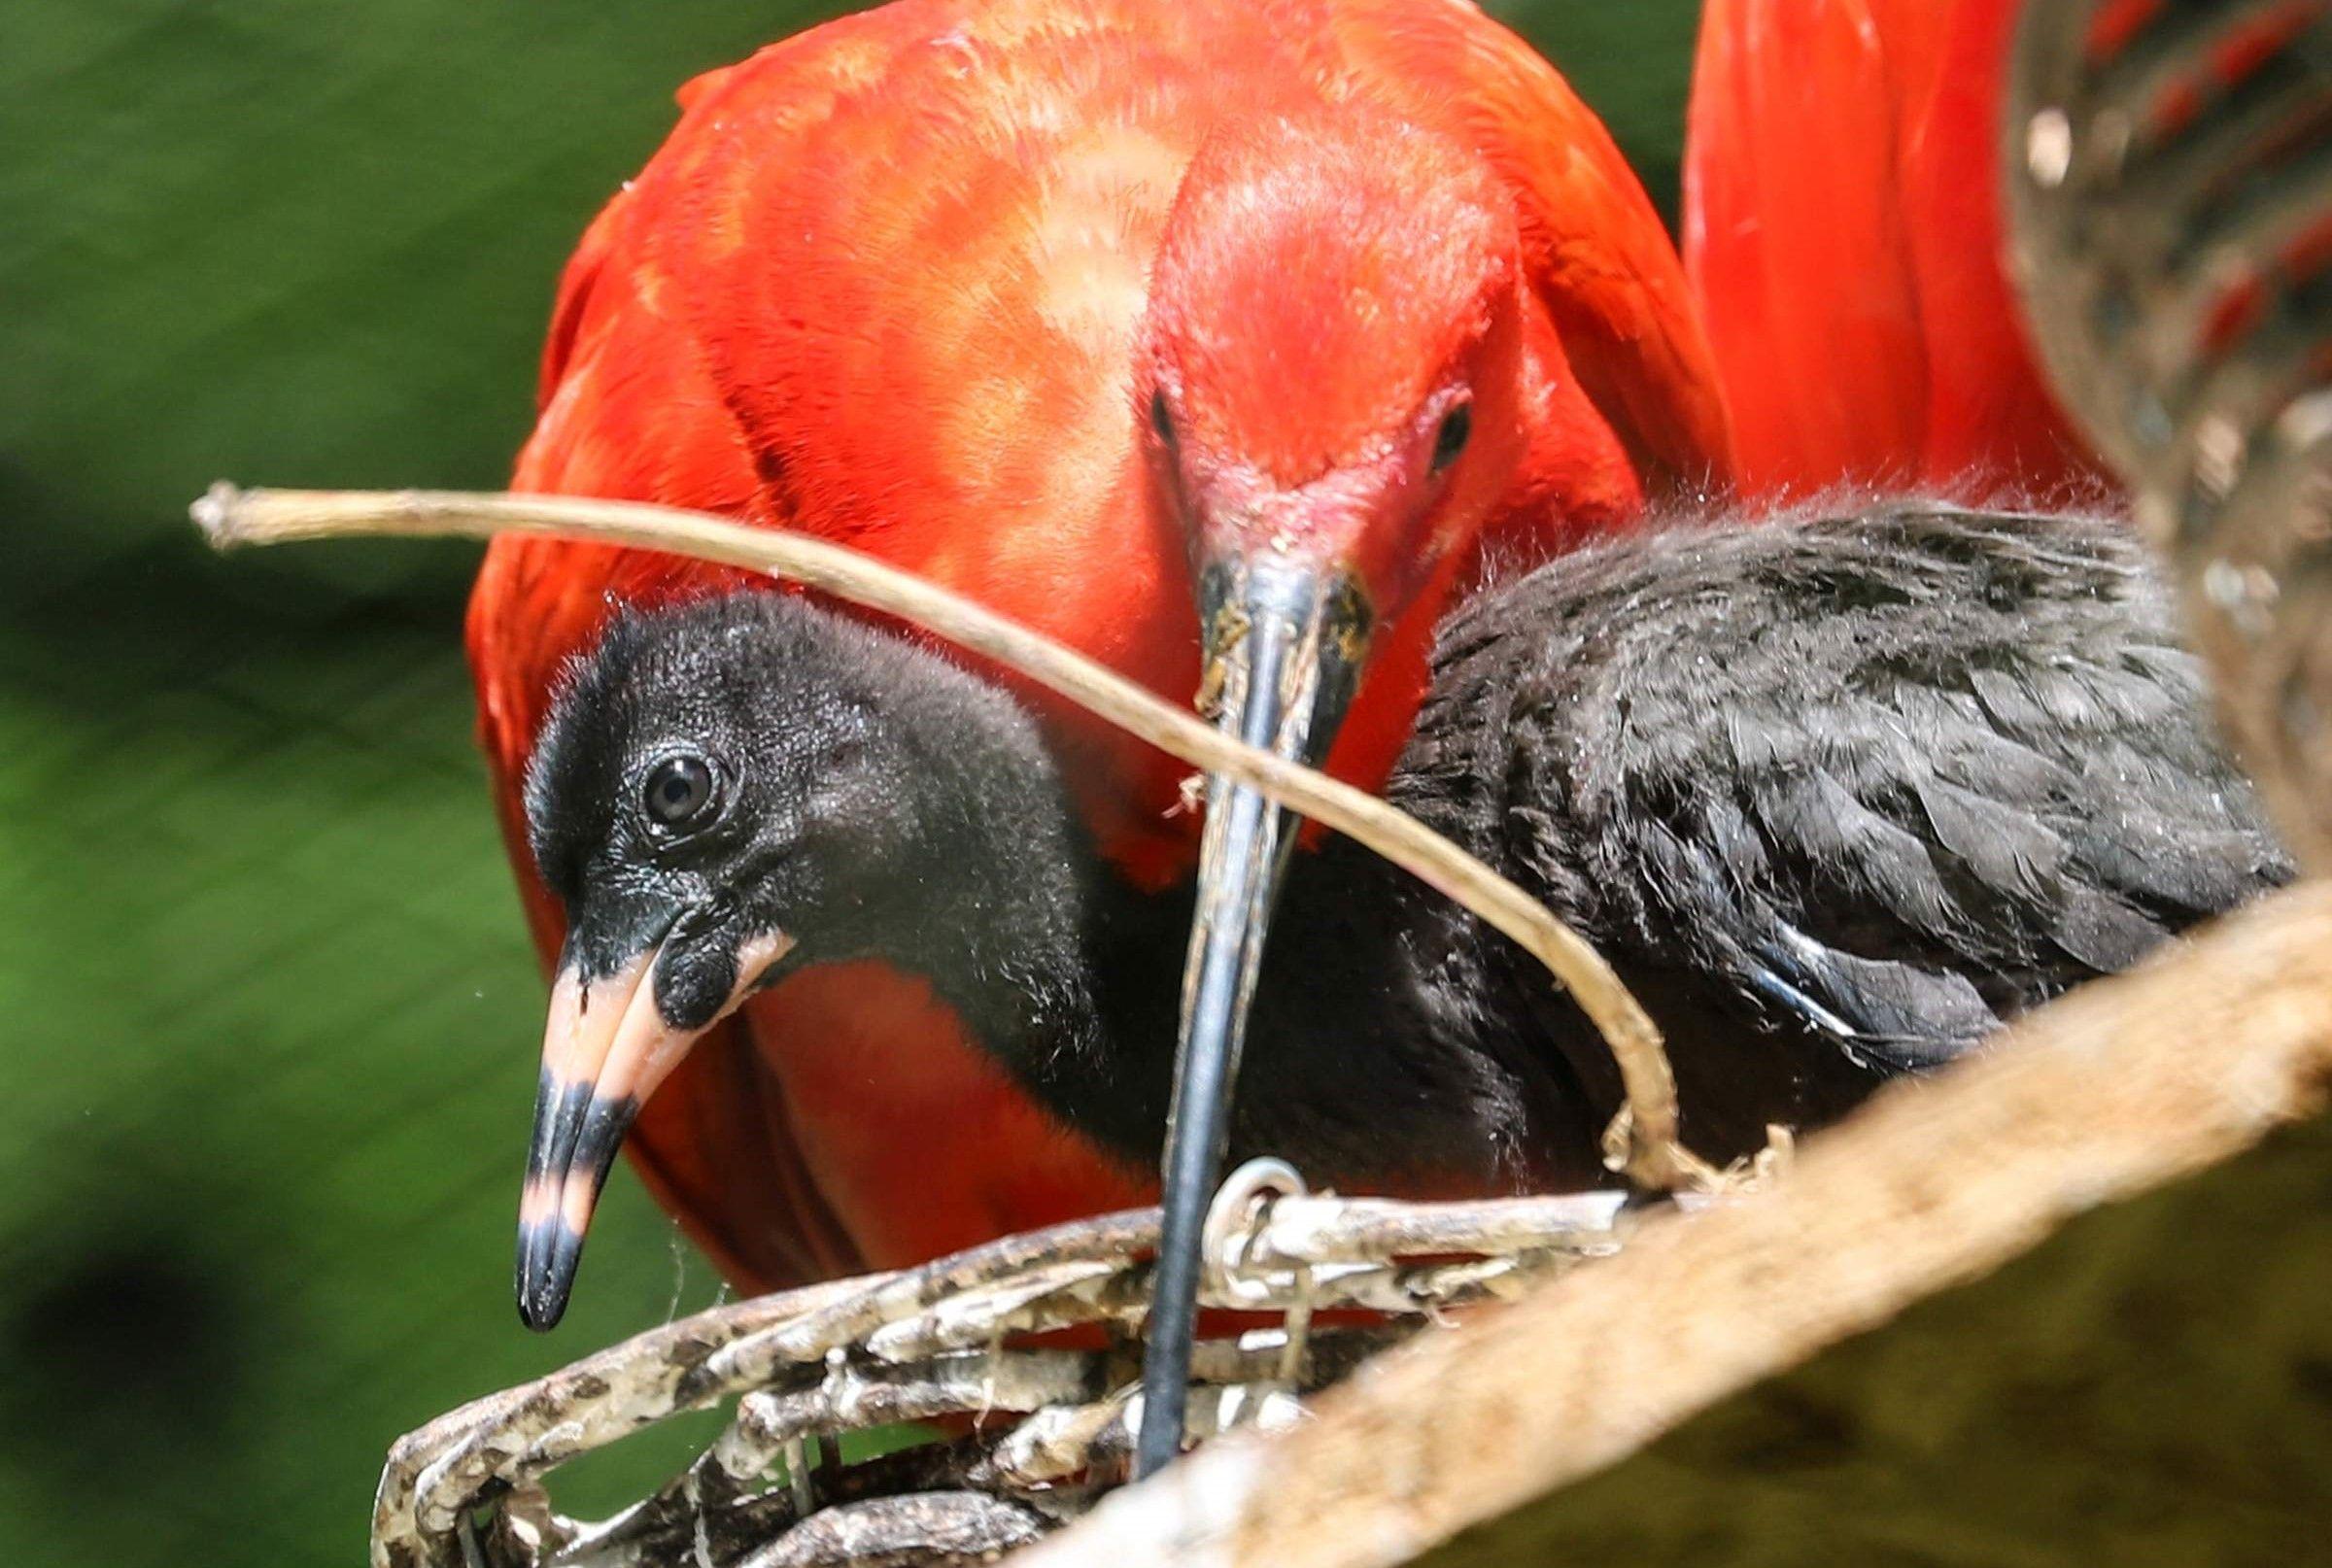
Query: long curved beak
x,y
1284,644
605,1049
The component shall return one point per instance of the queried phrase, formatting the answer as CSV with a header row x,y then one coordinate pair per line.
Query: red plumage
x,y
1842,231
890,281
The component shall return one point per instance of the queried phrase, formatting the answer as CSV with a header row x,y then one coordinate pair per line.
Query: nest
x,y
1025,1350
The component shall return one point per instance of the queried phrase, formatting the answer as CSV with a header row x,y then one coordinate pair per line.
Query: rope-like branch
x,y
1654,1158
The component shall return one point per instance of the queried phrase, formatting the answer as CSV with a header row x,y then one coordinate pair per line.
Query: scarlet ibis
x,y
1835,796
1843,234
1092,309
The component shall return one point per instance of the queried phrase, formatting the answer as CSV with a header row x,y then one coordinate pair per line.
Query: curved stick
x,y
230,517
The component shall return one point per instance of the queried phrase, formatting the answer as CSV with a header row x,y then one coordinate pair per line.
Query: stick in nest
x,y
932,1342
1649,1150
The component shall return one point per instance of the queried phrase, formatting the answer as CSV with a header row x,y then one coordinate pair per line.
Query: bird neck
x,y
1061,971
1371,1059
1367,1058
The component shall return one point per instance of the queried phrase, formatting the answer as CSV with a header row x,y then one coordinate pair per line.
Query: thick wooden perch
x,y
2121,1087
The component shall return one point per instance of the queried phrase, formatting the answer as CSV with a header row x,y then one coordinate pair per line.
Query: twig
x,y
1654,1157
928,1527
2123,1086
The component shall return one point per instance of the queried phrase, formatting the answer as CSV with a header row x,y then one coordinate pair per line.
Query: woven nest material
x,y
1033,1432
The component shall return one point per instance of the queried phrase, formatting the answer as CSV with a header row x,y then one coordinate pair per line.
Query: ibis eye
x,y
1161,420
1450,440
678,791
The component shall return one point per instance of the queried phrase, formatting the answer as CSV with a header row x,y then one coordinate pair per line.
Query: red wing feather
x,y
1842,233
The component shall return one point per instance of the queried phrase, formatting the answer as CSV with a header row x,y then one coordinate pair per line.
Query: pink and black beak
x,y
618,1026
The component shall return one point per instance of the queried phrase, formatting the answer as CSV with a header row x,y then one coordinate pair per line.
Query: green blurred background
x,y
267,1015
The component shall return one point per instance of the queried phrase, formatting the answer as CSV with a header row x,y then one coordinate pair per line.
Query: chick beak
x,y
1284,642
606,1047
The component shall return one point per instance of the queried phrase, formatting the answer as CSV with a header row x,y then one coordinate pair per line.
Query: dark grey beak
x,y
1284,644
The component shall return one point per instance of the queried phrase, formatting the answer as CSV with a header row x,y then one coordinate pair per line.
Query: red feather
x,y
1842,230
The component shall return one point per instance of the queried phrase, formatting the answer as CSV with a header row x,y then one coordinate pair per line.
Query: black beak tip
x,y
548,1253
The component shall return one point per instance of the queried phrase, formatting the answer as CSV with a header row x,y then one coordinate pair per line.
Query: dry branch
x,y
1653,1156
2123,1086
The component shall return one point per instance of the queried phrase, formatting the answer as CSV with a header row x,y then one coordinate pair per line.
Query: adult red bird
x,y
1842,231
1089,308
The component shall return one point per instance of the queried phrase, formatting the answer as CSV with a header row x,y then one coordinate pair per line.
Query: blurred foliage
x,y
270,1016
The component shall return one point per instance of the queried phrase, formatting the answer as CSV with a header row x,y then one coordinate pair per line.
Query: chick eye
x,y
678,791
1450,440
1161,420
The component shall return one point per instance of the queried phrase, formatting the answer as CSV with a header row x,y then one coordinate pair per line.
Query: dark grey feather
x,y
1840,792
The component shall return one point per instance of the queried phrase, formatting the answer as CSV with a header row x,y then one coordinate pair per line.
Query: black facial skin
x,y
864,798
